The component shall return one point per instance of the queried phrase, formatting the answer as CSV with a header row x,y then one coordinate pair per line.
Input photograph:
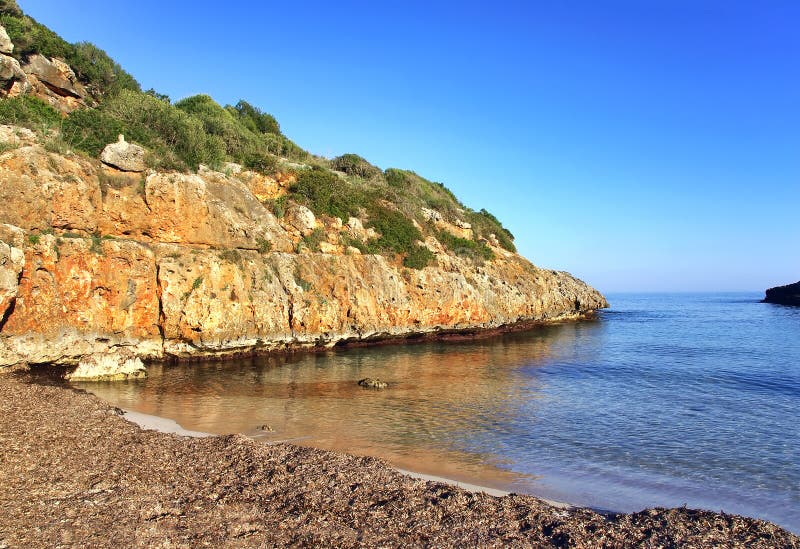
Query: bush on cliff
x,y
465,247
352,164
484,224
29,112
326,193
418,257
398,233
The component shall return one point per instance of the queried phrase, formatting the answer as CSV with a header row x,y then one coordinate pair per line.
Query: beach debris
x,y
372,383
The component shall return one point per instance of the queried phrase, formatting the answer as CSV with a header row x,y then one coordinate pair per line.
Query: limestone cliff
x,y
162,265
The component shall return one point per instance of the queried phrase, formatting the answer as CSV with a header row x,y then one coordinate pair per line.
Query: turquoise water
x,y
663,400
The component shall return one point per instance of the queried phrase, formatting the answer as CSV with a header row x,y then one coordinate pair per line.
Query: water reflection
x,y
443,411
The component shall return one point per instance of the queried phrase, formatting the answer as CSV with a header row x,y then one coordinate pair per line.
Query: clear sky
x,y
640,145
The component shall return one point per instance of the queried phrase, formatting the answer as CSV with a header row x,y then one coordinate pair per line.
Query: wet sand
x,y
73,472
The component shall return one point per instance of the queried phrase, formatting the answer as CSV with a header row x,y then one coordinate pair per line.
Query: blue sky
x,y
640,145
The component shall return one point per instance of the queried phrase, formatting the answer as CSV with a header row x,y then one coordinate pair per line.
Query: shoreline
x,y
77,473
165,425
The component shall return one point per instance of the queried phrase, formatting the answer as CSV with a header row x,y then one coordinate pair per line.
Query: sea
x,y
662,400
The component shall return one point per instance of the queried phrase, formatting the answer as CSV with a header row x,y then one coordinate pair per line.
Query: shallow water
x,y
663,400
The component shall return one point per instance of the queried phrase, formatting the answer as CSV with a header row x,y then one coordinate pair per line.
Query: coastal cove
x,y
663,400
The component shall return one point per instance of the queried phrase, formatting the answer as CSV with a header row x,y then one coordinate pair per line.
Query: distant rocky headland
x,y
784,295
135,228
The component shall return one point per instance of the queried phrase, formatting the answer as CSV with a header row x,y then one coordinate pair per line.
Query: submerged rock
x,y
373,383
784,295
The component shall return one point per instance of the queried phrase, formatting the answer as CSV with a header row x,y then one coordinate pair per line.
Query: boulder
x,y
5,42
124,156
784,295
10,71
302,219
115,365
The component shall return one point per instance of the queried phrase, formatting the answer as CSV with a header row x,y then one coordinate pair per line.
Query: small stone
x,y
266,427
124,156
373,383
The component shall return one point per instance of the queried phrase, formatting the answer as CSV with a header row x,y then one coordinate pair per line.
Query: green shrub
x,y
231,255
463,247
312,240
29,37
352,164
326,193
256,120
398,233
418,257
238,140
300,281
90,130
484,224
9,7
264,245
29,112
94,67
260,161
279,206
97,243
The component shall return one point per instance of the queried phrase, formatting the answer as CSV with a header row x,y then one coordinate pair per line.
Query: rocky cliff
x,y
94,260
784,295
111,253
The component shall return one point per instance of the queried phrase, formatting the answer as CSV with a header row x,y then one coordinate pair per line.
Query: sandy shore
x,y
73,472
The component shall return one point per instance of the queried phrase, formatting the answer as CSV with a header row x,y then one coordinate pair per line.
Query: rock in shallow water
x,y
372,383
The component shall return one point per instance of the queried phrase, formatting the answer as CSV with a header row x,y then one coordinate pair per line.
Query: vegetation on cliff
x,y
403,207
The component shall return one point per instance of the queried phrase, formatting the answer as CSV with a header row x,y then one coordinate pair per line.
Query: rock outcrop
x,y
5,42
54,82
784,295
102,268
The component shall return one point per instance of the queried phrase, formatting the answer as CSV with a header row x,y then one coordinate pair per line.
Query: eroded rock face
x,y
124,156
183,265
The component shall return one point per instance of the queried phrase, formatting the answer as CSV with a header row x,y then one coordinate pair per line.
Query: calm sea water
x,y
663,400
